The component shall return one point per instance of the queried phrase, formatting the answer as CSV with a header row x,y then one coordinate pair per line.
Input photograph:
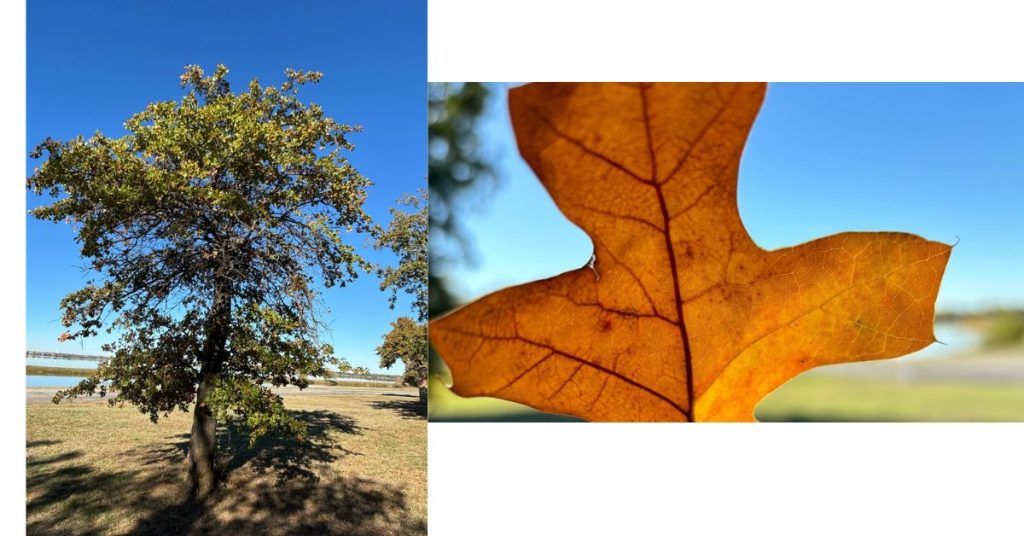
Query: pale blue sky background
x,y
91,65
944,161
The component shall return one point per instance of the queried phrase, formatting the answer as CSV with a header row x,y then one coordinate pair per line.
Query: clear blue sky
x,y
91,65
945,161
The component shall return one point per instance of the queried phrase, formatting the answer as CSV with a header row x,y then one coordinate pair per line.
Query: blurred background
x,y
944,161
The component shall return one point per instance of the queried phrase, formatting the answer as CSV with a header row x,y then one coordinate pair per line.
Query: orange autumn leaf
x,y
680,315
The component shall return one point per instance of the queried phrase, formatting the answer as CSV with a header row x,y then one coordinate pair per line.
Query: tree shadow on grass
x,y
276,486
407,409
41,443
283,457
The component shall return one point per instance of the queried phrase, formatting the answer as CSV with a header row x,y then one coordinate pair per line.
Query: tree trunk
x,y
202,474
202,447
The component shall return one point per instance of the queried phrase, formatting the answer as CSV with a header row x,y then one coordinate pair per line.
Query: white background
x,y
656,479
12,268
725,479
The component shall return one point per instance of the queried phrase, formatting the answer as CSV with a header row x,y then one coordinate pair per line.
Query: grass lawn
x,y
446,406
811,397
362,469
836,398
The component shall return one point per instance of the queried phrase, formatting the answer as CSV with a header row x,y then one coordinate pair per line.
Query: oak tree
x,y
406,236
209,227
407,342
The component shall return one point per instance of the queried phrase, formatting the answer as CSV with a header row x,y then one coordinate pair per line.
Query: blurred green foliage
x,y
1004,328
458,175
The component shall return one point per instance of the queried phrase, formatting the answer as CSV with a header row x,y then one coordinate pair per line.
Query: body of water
x,y
33,380
953,339
368,380
52,381
63,363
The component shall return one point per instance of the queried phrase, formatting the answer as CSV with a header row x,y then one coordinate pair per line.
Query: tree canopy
x,y
406,236
208,228
406,342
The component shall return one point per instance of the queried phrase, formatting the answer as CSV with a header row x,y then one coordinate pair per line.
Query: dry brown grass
x,y
94,469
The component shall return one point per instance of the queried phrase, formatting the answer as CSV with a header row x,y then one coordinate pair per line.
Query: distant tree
x,y
457,175
202,226
362,371
1003,328
406,235
406,342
